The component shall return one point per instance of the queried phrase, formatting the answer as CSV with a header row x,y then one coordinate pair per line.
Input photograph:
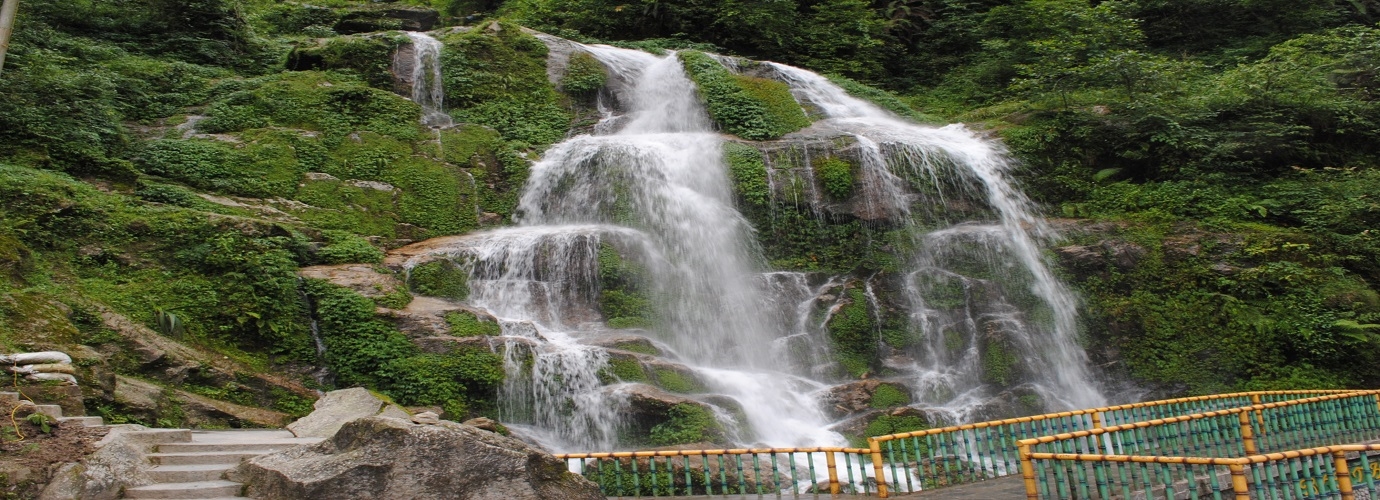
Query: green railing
x,y
931,458
755,471
974,452
1205,455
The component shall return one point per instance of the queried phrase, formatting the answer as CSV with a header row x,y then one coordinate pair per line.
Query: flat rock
x,y
380,457
334,410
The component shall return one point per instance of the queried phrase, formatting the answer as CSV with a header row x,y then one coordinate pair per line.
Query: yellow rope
x,y
15,410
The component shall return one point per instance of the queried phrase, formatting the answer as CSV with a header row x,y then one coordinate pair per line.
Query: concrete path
x,y
1003,488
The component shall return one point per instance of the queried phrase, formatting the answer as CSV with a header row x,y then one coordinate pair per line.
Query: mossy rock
x,y
584,75
745,106
835,176
468,324
889,396
439,278
386,16
497,78
852,331
369,56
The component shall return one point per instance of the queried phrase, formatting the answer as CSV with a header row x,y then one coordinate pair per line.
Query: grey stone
x,y
427,418
334,410
120,463
484,423
380,457
137,394
395,411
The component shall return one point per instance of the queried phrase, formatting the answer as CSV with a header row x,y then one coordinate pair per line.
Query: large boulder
x,y
381,457
335,409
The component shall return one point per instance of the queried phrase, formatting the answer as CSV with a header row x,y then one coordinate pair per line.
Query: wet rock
x,y
380,457
861,396
1089,259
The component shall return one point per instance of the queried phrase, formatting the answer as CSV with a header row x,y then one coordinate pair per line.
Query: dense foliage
x,y
178,162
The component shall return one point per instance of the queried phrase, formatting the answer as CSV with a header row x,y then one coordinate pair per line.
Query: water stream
x,y
650,183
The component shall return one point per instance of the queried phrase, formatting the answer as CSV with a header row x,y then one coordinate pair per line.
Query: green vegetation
x,y
498,79
853,334
686,423
583,75
889,396
342,248
362,349
622,300
627,369
467,324
439,278
370,57
836,176
745,106
749,172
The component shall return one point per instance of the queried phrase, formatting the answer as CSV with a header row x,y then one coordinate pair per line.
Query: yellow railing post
x,y
1259,414
1097,419
831,463
876,450
1343,475
1247,437
1028,472
1239,486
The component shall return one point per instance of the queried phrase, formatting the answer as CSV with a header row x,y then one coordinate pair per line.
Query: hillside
x,y
215,199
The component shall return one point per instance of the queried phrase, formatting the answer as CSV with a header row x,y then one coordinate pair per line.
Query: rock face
x,y
381,457
335,409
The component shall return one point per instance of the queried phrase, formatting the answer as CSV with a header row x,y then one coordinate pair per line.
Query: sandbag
x,y
45,377
44,368
33,358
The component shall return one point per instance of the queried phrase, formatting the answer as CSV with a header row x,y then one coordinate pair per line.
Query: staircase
x,y
54,411
195,468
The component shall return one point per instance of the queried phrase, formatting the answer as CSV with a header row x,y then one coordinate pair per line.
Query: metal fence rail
x,y
1206,454
754,471
935,458
973,452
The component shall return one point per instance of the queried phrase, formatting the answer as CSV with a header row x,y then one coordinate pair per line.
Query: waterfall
x,y
651,185
894,153
427,90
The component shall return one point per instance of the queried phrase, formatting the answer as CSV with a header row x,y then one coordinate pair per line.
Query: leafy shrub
x,y
852,334
749,172
584,75
888,396
499,80
344,248
836,175
466,324
686,423
748,107
440,278
334,104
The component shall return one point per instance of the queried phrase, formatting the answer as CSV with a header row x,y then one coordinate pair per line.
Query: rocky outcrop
x,y
387,17
151,402
361,278
380,457
337,408
861,396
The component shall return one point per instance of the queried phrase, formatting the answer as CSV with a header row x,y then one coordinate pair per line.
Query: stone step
x,y
201,447
84,421
54,411
200,458
160,436
188,473
198,489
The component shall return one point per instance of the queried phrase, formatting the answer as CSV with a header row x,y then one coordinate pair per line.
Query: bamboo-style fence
x,y
1174,448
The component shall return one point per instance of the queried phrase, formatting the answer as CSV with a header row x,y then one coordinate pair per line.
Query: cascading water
x,y
650,185
895,153
427,90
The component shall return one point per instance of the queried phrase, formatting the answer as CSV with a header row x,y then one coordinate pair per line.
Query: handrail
x,y
1004,446
1359,420
957,453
